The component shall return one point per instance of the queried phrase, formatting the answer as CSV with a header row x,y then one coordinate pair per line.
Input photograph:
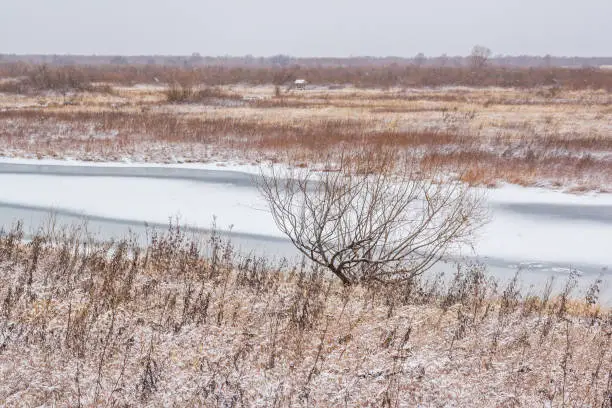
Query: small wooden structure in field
x,y
300,84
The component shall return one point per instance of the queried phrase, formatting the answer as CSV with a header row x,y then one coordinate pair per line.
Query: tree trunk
x,y
338,272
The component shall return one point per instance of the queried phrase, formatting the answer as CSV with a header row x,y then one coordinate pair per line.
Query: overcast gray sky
x,y
306,28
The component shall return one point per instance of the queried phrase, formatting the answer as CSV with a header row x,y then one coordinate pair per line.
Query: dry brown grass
x,y
522,137
185,93
483,167
45,78
98,324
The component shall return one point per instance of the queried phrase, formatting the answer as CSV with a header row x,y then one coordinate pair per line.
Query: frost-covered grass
x,y
522,136
192,324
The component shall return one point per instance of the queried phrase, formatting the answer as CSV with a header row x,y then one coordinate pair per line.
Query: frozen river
x,y
544,233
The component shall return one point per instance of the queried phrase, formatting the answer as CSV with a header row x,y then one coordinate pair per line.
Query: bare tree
x,y
479,56
420,59
380,226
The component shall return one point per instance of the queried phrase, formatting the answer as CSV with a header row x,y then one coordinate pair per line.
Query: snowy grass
x,y
114,324
496,135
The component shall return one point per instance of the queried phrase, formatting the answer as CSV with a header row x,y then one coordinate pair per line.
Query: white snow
x,y
142,199
509,236
512,194
238,167
547,239
513,237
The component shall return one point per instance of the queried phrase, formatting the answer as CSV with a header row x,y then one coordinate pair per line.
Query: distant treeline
x,y
31,76
524,61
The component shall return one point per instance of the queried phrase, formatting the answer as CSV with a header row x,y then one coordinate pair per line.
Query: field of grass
x,y
187,322
538,136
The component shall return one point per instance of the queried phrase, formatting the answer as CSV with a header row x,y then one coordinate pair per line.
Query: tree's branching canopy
x,y
384,226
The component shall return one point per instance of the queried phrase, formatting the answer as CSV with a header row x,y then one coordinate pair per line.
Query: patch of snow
x,y
513,194
143,199
128,163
